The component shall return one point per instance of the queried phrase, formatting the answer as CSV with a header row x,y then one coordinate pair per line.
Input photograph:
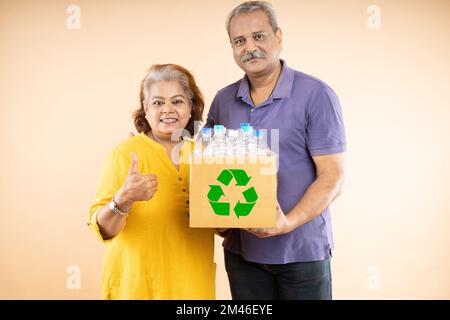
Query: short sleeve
x,y
325,131
212,114
113,175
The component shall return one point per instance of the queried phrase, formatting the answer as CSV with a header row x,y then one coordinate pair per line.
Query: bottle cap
x,y
219,128
258,133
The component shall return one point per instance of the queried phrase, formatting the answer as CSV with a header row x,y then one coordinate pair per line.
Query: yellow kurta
x,y
156,255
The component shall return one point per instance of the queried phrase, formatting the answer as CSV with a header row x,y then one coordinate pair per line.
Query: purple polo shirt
x,y
308,115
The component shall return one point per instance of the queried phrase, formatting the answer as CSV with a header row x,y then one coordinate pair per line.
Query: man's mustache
x,y
257,54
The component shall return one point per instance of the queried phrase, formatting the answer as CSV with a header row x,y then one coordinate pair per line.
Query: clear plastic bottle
x,y
219,140
253,143
206,134
203,142
231,143
240,148
246,134
240,145
262,149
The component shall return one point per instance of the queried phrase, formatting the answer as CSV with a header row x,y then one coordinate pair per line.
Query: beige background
x,y
66,97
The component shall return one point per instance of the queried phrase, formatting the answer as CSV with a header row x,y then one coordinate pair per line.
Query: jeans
x,y
291,281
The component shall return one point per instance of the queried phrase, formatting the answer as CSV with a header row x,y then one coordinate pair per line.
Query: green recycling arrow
x,y
250,195
225,177
243,209
216,192
240,176
221,209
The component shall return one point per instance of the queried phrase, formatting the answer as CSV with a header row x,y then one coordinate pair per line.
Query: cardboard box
x,y
233,192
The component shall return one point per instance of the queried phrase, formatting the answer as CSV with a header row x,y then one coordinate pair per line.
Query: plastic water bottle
x,y
262,149
240,147
206,135
253,143
247,134
203,141
231,143
219,140
242,144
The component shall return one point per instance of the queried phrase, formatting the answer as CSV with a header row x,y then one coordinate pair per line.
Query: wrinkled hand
x,y
282,226
137,186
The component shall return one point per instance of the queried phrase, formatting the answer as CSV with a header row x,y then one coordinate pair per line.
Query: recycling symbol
x,y
241,208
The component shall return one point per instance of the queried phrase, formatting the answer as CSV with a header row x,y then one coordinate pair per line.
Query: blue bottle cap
x,y
219,128
258,133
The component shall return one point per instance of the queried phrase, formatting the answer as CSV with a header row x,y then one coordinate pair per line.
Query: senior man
x,y
292,259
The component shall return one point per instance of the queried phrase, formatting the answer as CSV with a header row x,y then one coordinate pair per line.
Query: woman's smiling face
x,y
167,108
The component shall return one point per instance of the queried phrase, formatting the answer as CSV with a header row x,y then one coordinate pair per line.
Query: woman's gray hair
x,y
168,73
250,6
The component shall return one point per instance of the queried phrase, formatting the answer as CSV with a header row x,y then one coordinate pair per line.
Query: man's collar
x,y
282,89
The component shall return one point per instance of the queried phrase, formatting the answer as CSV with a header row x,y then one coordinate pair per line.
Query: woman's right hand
x,y
137,186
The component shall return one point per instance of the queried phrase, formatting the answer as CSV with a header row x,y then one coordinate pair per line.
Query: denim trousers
x,y
291,281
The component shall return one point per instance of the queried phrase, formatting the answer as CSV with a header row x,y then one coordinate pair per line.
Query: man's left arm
x,y
325,139
330,172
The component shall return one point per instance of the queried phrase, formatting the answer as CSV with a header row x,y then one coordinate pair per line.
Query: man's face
x,y
256,48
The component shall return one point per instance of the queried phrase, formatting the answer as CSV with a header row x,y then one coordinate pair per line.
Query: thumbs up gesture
x,y
137,186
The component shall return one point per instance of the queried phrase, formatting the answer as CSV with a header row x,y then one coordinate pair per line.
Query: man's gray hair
x,y
250,6
168,73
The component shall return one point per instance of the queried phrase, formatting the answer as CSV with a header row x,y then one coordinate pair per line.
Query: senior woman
x,y
141,208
